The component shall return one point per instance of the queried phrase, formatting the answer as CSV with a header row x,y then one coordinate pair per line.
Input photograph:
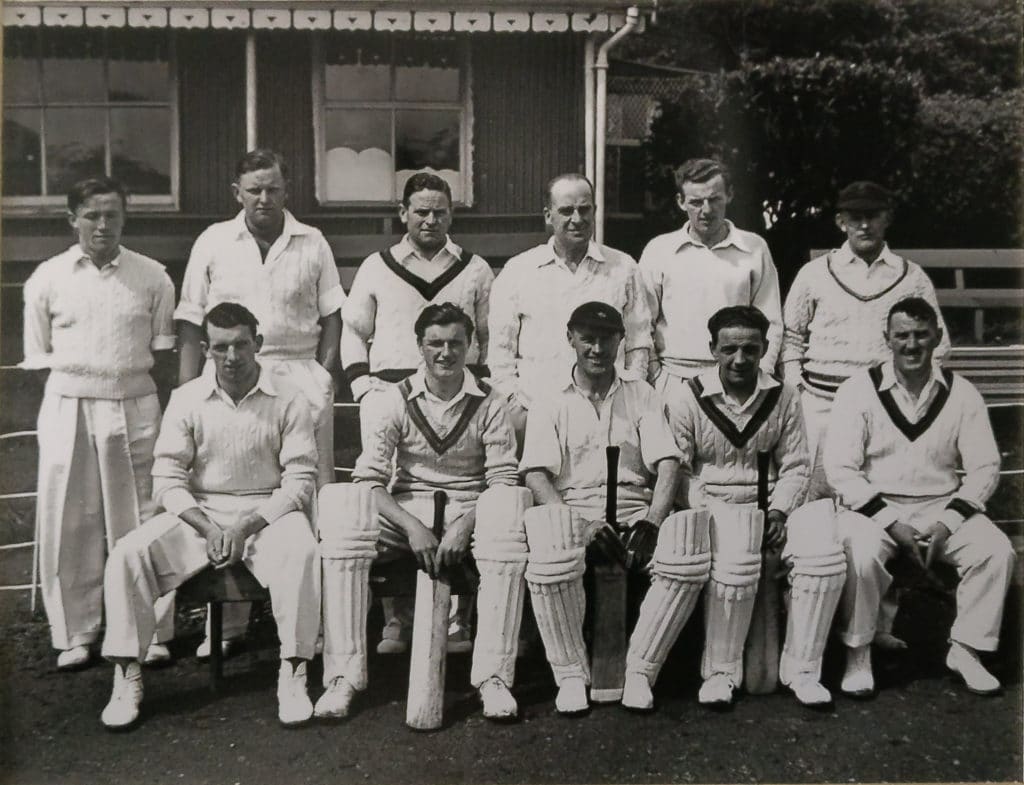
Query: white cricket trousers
x,y
95,486
980,552
166,551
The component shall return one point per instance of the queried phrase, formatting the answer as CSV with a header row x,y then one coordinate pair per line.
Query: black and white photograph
x,y
420,392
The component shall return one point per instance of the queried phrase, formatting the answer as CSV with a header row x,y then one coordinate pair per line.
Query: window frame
x,y
55,203
321,106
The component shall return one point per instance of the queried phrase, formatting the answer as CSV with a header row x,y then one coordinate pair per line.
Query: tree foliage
x,y
800,97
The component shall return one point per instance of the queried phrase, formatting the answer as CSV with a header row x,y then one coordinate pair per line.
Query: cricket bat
x,y
761,653
608,661
424,708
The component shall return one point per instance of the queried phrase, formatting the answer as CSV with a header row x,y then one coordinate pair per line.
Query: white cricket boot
x,y
858,680
73,659
293,704
335,703
572,696
498,701
636,694
964,661
122,710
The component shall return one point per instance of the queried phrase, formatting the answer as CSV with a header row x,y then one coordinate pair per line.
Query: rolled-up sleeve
x,y
380,426
358,315
542,445
195,287
656,440
298,463
38,331
163,316
330,294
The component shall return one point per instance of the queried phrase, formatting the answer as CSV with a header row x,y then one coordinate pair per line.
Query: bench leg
x,y
216,635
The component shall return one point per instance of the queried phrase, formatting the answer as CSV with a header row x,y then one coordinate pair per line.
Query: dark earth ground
x,y
922,726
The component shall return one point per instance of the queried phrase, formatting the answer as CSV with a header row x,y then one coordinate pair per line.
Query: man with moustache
x,y
284,272
897,435
691,273
98,320
536,291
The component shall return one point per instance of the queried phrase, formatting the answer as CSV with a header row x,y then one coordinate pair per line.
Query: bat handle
x,y
440,500
611,499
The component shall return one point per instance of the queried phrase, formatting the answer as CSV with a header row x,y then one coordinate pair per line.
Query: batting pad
x,y
499,547
349,528
682,565
736,532
554,573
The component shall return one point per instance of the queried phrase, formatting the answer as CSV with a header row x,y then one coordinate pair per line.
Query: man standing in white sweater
x,y
393,286
691,273
835,311
897,435
378,342
722,419
98,317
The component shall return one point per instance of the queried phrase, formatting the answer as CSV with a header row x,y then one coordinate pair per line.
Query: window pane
x,y
21,80
131,80
428,139
140,149
357,82
426,83
21,167
72,79
73,66
358,165
74,147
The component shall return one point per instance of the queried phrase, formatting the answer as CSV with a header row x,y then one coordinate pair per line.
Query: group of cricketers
x,y
505,393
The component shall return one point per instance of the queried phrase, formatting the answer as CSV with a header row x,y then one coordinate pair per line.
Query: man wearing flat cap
x,y
564,464
836,309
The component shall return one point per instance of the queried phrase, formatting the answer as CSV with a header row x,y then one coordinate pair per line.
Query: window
x,y
78,103
389,106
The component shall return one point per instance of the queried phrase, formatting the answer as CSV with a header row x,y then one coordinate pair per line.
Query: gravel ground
x,y
922,726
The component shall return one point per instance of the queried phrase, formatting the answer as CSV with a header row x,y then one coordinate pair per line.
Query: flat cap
x,y
864,195
597,316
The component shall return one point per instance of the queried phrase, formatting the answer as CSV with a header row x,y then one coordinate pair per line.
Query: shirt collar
x,y
569,383
889,379
291,225
593,252
264,382
418,383
845,255
80,257
405,248
712,383
732,237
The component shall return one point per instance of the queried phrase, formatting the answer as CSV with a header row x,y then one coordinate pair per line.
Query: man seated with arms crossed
x,y
722,419
235,466
565,467
441,429
897,434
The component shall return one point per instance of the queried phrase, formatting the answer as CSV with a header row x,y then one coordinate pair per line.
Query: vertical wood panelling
x,y
284,109
211,70
528,117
